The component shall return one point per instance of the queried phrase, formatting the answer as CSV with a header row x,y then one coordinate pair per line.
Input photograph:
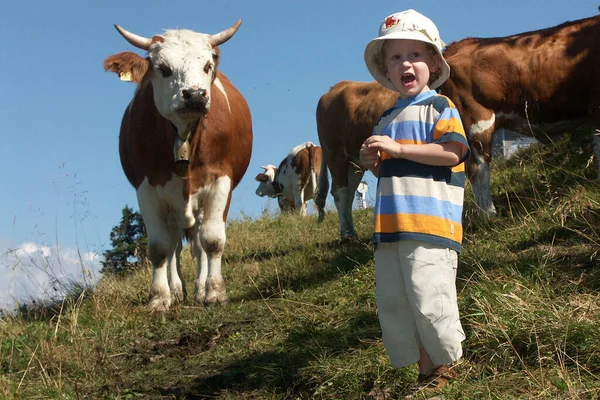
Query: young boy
x,y
417,151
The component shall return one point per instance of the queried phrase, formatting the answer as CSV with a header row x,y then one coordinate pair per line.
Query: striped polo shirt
x,y
417,201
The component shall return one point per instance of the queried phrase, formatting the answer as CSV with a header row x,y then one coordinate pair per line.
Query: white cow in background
x,y
296,180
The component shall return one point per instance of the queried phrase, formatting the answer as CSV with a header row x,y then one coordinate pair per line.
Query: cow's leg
x,y
176,285
355,176
162,245
481,135
597,147
299,203
321,191
344,198
202,260
480,177
344,208
285,205
211,236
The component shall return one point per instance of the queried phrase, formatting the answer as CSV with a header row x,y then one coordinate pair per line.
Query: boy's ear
x,y
436,64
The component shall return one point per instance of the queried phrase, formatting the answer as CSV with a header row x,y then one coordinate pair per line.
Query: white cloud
x,y
32,271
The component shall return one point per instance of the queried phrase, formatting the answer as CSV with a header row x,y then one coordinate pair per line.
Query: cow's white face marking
x,y
481,126
184,61
266,188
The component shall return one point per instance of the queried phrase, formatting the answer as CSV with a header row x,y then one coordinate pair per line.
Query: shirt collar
x,y
407,101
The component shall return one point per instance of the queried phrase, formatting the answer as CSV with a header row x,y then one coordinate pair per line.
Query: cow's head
x,y
266,180
182,65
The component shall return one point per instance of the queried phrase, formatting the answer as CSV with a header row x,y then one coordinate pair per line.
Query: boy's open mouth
x,y
407,79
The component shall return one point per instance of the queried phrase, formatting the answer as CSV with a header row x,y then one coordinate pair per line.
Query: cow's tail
x,y
323,188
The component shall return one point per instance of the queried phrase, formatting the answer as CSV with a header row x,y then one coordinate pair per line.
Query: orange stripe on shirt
x,y
418,223
448,125
459,168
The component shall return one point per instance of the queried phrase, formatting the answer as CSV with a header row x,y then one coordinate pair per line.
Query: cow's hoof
x,y
216,292
200,297
216,297
177,294
159,304
348,237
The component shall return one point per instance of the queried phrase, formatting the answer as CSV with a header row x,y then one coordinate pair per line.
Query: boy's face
x,y
408,65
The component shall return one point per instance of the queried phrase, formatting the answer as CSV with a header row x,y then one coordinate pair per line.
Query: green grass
x,y
301,322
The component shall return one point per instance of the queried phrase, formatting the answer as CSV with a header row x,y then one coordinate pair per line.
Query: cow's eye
x,y
207,67
165,71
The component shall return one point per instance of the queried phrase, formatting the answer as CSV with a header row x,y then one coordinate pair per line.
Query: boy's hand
x,y
380,143
369,158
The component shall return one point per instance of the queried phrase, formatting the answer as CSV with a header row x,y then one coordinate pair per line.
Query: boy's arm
x,y
438,154
449,148
447,154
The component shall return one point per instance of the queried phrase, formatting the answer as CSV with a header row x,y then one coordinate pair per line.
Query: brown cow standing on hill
x,y
185,143
530,83
544,78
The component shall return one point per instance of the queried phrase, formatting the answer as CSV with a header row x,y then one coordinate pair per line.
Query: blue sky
x,y
60,112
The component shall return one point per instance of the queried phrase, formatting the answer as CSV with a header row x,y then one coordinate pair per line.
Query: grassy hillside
x,y
301,322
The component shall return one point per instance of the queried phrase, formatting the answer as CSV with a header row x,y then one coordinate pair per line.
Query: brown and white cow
x,y
185,143
530,83
295,181
346,115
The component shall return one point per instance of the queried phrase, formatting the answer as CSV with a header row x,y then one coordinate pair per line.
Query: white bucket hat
x,y
407,24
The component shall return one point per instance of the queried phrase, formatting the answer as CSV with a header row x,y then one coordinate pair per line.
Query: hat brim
x,y
373,51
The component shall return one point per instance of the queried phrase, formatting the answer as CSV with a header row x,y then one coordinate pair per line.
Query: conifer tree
x,y
129,244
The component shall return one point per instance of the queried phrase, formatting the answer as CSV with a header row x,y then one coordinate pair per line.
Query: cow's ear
x,y
128,66
262,178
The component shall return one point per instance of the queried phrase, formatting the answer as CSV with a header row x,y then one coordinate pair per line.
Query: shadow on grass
x,y
258,256
348,255
278,371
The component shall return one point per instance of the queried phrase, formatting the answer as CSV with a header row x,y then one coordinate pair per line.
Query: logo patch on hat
x,y
390,22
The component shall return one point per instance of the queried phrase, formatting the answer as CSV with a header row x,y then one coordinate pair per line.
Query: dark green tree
x,y
129,244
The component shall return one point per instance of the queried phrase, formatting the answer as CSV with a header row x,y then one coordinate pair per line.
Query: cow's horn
x,y
219,38
138,41
263,167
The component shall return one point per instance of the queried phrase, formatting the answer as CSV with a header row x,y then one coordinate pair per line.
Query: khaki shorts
x,y
416,301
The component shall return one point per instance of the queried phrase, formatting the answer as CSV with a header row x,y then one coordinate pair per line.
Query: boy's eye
x,y
416,54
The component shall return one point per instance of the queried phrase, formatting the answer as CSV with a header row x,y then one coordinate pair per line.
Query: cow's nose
x,y
194,97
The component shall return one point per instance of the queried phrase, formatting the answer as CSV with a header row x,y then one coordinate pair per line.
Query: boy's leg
x,y
425,363
431,288
395,315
